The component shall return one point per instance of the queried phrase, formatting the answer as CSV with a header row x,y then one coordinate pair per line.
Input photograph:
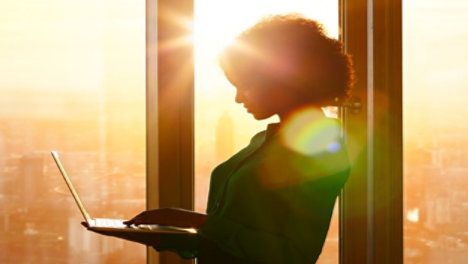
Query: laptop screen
x,y
70,187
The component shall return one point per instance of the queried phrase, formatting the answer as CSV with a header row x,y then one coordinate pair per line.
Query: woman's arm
x,y
170,217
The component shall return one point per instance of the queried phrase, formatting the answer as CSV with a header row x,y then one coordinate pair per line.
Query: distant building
x,y
31,177
224,141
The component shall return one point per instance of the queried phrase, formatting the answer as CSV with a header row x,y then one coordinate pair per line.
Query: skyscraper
x,y
224,142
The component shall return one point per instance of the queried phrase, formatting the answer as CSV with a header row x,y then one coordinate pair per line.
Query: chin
x,y
261,116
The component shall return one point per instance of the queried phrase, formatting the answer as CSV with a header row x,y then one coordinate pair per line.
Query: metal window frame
x,y
371,224
371,212
169,111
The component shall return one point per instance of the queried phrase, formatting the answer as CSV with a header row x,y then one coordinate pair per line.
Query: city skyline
x,y
73,79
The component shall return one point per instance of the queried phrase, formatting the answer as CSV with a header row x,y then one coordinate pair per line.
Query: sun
x,y
216,23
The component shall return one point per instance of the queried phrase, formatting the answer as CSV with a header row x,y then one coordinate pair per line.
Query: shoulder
x,y
260,136
316,153
314,138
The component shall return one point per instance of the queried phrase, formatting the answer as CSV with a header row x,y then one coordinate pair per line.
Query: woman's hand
x,y
169,217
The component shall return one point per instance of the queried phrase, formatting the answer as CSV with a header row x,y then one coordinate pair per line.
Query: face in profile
x,y
255,102
263,102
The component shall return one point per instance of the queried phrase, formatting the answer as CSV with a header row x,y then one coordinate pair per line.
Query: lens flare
x,y
333,147
308,148
308,132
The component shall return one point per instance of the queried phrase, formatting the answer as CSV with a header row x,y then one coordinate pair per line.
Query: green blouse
x,y
271,204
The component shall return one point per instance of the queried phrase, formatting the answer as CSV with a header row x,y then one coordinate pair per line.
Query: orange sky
x,y
435,37
63,39
62,45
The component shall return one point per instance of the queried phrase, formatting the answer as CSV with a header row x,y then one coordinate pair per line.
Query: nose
x,y
239,97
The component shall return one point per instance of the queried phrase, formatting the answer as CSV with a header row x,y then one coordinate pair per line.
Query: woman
x,y
272,201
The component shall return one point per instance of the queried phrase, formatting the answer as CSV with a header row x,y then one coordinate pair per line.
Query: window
x,y
372,198
435,131
73,81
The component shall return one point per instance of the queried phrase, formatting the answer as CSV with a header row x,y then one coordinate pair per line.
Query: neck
x,y
316,111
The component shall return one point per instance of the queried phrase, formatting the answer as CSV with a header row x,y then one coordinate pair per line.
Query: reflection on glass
x,y
73,81
435,131
222,127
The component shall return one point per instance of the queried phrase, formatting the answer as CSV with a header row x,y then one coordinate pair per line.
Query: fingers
x,y
133,221
146,217
163,216
128,222
141,221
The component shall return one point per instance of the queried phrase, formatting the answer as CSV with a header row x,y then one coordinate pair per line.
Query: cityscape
x,y
435,185
110,179
40,222
73,80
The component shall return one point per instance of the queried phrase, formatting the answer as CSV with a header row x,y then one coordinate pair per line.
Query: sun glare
x,y
218,22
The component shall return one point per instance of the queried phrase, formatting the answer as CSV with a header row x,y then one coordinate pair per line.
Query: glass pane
x,y
73,81
435,131
223,127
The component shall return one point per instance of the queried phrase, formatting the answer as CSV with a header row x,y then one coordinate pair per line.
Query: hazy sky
x,y
61,52
65,47
60,44
435,37
46,45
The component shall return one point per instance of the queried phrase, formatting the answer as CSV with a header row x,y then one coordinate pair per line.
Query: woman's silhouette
x,y
273,200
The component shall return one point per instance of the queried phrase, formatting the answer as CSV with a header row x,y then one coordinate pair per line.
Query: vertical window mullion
x,y
372,199
354,198
388,162
152,182
170,102
169,109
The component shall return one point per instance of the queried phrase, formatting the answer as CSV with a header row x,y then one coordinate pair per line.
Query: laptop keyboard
x,y
102,222
118,223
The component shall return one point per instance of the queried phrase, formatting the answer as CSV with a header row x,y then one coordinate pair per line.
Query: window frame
x,y
169,112
371,207
371,212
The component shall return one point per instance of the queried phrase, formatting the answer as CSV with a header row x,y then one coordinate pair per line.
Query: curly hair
x,y
294,52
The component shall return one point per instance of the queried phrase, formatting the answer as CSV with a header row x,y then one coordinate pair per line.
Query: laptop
x,y
114,225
